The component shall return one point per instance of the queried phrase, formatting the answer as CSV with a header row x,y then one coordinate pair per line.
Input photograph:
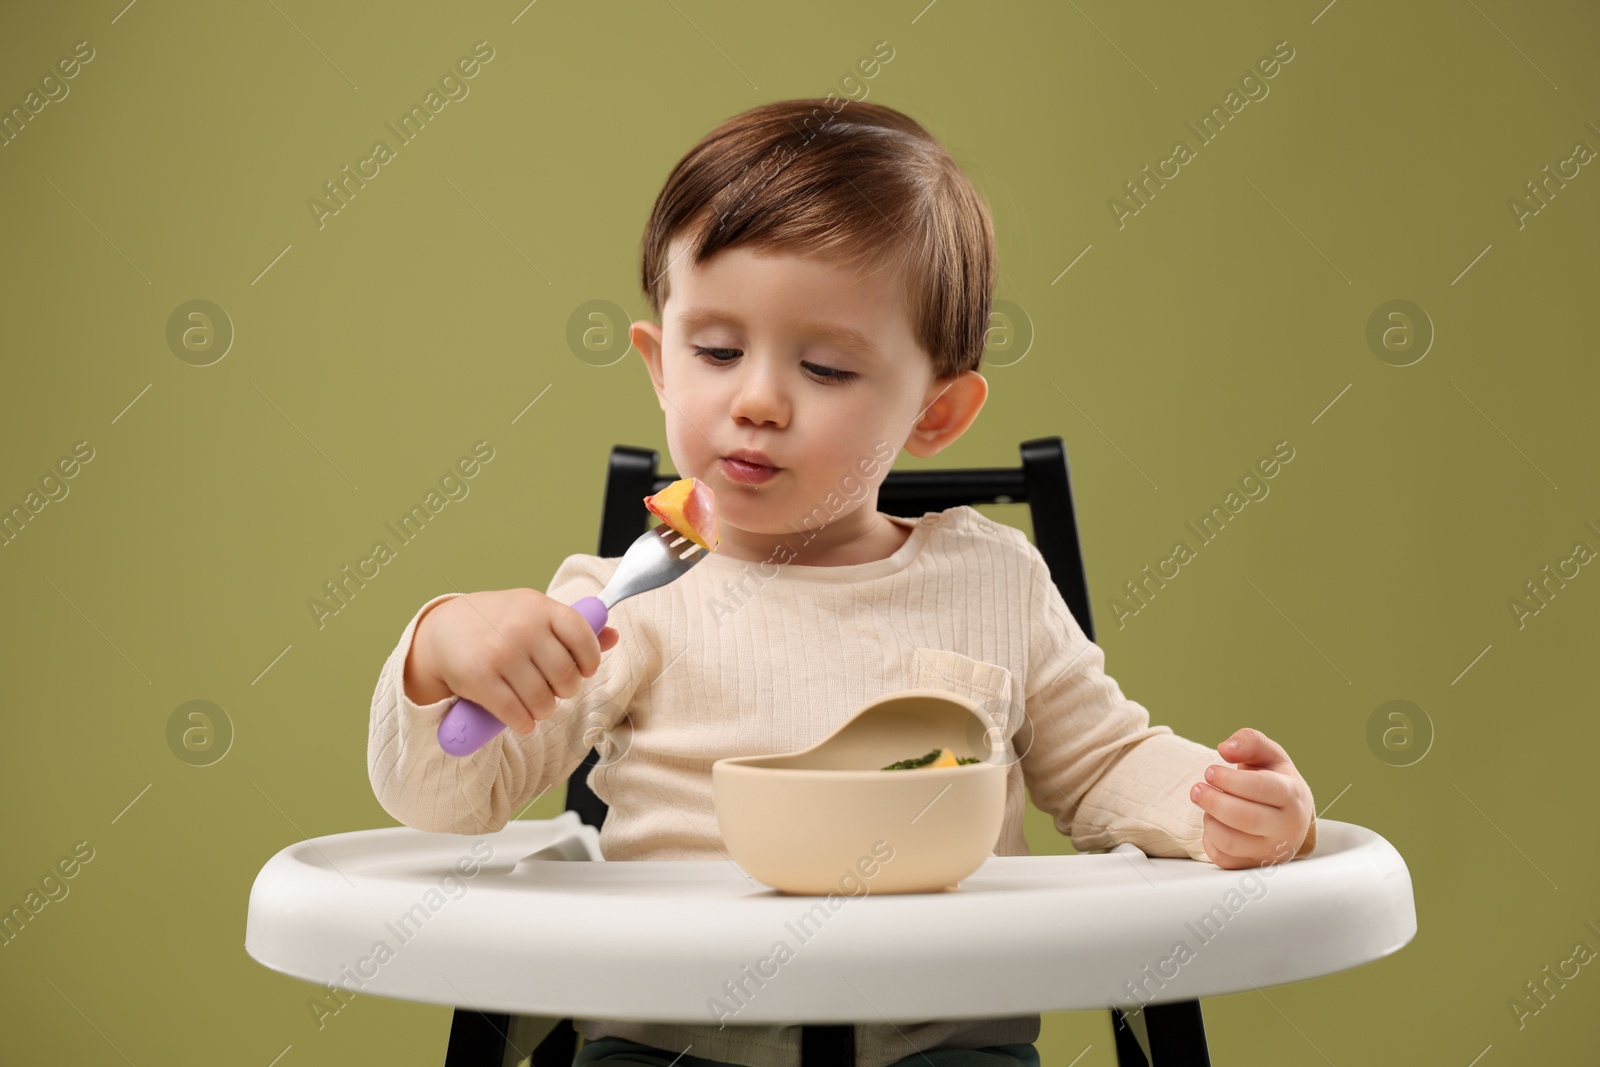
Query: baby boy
x,y
822,272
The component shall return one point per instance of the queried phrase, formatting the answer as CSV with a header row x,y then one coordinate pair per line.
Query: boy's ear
x,y
646,337
949,407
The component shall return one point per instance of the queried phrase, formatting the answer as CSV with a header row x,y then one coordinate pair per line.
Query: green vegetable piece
x,y
923,761
906,764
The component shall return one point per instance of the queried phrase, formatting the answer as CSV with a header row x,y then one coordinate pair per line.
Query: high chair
x,y
539,943
1174,1032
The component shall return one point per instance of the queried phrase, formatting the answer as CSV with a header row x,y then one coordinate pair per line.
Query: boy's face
x,y
814,365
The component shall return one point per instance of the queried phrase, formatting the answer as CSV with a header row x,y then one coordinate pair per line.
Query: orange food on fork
x,y
688,506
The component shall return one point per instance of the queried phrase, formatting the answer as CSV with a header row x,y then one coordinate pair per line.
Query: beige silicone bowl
x,y
828,819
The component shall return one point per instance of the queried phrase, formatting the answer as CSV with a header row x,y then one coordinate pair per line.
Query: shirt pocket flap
x,y
987,685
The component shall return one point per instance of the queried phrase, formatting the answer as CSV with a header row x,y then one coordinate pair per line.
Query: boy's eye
x,y
723,356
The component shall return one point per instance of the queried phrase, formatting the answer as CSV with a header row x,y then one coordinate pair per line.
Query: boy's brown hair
x,y
860,184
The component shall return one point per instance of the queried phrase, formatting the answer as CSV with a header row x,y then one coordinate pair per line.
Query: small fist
x,y
1256,813
514,652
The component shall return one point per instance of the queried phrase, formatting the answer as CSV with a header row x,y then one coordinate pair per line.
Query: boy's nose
x,y
760,397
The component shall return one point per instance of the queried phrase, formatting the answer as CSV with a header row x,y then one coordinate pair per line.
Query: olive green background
x,y
370,353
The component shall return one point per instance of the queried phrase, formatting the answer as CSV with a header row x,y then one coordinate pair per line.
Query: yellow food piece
x,y
689,507
946,759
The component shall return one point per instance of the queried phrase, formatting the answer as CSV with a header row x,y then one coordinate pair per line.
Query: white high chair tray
x,y
663,940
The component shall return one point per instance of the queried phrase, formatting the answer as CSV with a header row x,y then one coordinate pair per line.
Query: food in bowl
x,y
939,757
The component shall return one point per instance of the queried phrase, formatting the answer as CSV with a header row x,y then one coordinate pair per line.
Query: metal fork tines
x,y
657,557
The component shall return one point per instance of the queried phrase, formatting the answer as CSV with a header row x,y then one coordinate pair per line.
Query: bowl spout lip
x,y
938,696
756,764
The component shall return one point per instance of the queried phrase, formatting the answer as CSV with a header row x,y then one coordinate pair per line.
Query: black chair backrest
x,y
1042,482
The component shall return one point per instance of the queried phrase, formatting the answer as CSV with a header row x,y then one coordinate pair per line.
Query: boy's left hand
x,y
1258,812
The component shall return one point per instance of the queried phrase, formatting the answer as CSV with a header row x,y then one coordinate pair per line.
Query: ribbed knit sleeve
x,y
424,787
1093,761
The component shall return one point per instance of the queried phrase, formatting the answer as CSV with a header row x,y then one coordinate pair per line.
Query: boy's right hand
x,y
513,651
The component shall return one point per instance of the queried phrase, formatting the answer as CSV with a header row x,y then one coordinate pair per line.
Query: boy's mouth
x,y
747,467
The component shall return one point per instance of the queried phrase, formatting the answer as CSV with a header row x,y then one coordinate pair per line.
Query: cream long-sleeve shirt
x,y
738,658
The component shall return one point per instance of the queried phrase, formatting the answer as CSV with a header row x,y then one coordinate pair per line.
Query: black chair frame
x,y
1175,1031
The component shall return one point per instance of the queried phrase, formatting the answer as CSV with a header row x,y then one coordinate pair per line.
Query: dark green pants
x,y
621,1050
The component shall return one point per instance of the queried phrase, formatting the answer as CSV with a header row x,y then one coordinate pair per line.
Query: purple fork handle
x,y
468,726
